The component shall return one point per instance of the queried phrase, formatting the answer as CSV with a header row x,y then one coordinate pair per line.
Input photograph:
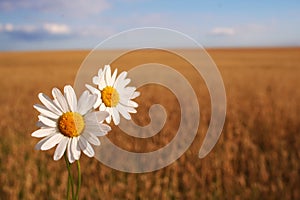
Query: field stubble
x,y
256,157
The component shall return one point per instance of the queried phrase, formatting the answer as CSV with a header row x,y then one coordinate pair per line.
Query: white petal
x,y
108,119
43,132
106,67
92,127
105,128
57,104
102,83
116,116
47,121
96,128
45,111
52,141
41,142
86,102
122,84
96,80
61,148
61,101
92,89
91,138
78,147
131,110
69,151
49,104
75,148
91,117
100,134
120,78
133,104
135,94
127,92
71,98
124,101
102,115
41,125
102,107
108,76
128,103
100,72
86,147
96,117
82,100
109,110
113,78
123,111
97,92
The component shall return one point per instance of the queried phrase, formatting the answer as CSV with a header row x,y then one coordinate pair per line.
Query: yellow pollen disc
x,y
110,96
71,124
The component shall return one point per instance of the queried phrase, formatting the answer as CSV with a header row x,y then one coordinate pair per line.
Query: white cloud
x,y
225,31
8,27
32,32
245,29
47,27
57,29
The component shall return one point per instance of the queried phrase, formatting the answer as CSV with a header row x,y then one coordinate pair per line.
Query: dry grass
x,y
257,156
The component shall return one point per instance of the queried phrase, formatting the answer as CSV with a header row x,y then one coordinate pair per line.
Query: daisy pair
x,y
73,125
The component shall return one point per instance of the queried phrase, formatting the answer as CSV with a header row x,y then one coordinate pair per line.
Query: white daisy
x,y
113,94
71,125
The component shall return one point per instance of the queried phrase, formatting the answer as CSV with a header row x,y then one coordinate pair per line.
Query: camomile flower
x,y
70,124
114,96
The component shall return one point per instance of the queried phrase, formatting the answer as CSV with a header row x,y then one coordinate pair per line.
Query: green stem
x,y
68,188
70,178
79,180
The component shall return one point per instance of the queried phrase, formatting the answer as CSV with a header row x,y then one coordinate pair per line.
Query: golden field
x,y
256,157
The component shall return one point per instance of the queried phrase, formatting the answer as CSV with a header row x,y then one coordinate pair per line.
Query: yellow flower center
x,y
110,96
71,124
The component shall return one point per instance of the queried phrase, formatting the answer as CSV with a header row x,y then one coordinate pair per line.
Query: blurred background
x,y
256,47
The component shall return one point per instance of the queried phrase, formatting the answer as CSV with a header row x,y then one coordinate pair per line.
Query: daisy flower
x,y
71,125
114,96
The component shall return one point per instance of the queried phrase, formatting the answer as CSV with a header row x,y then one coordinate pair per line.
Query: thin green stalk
x,y
68,188
79,180
70,178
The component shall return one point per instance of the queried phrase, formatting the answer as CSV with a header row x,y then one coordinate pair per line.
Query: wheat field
x,y
256,157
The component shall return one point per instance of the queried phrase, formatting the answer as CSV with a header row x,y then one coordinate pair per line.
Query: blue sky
x,y
82,24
